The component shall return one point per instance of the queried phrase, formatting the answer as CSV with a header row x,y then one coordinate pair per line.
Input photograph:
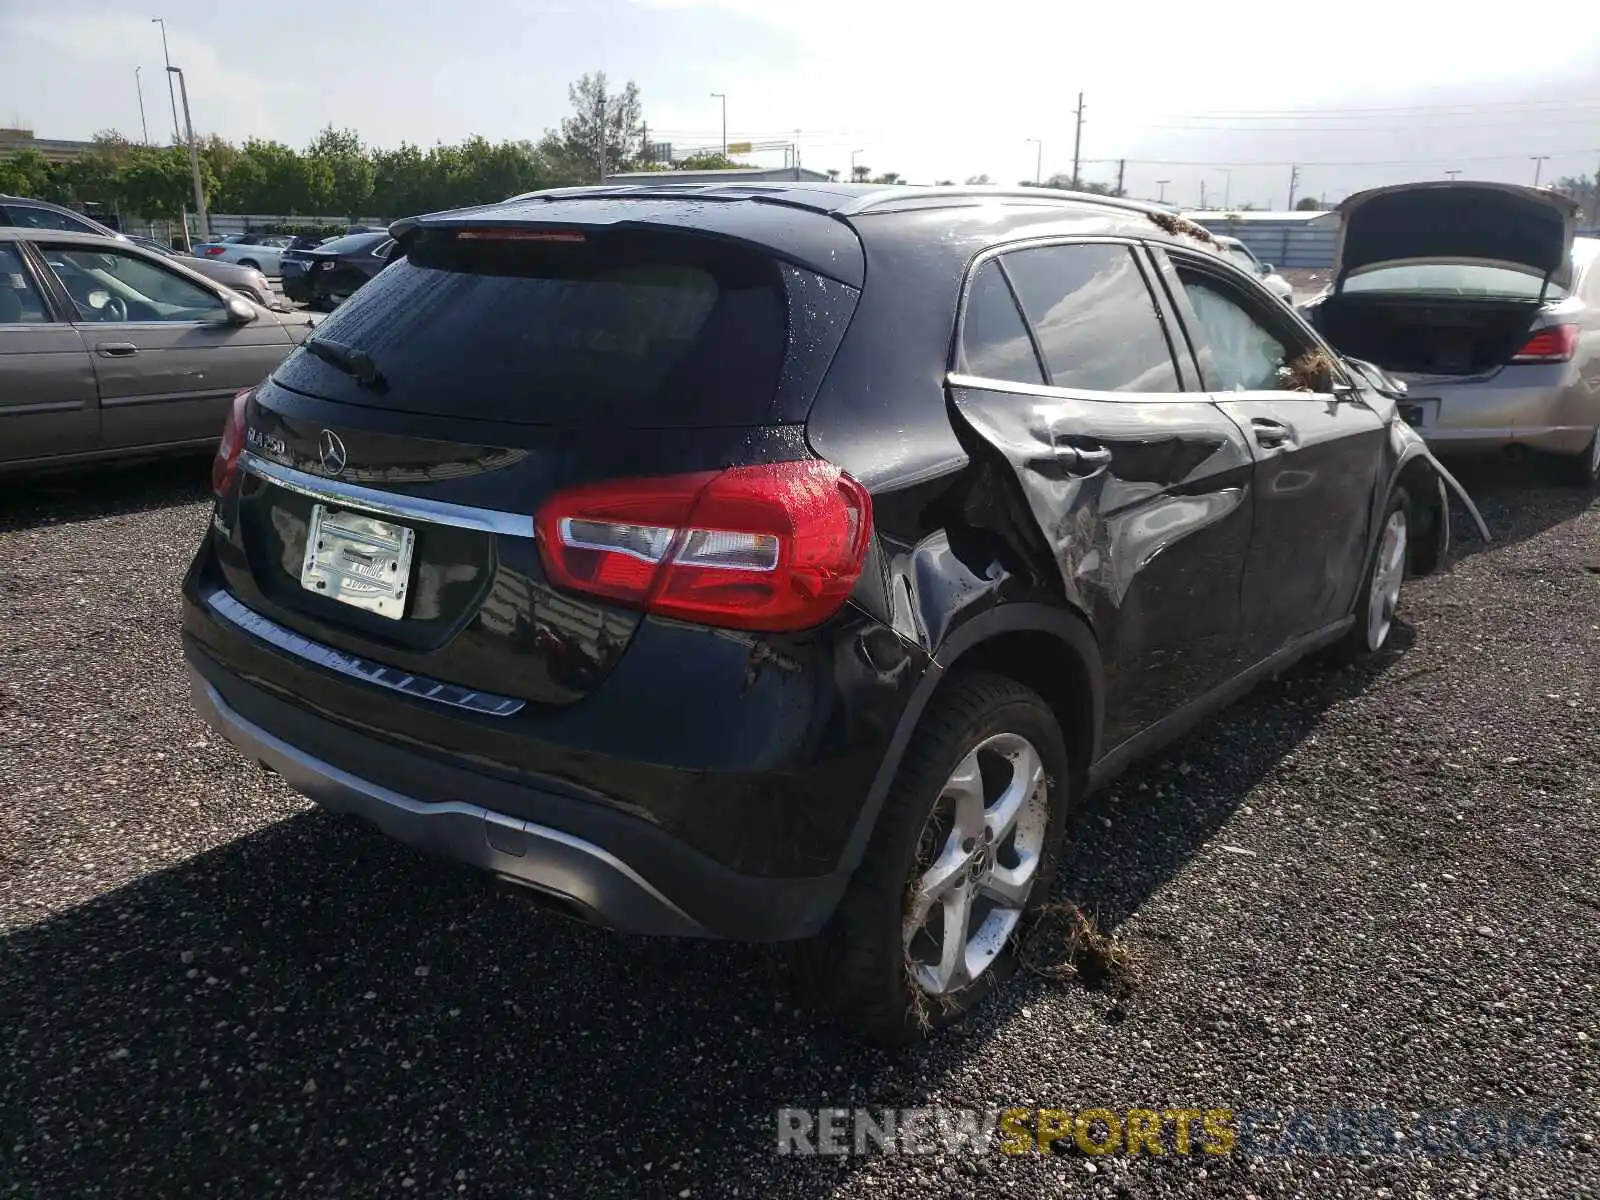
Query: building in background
x,y
56,150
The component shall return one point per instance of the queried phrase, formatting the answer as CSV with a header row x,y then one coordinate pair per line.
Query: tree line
x,y
338,174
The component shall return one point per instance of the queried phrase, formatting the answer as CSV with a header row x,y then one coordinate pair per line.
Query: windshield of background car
x,y
1241,258
1452,279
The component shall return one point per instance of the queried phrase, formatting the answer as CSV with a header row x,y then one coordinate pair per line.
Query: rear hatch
x,y
1449,280
494,367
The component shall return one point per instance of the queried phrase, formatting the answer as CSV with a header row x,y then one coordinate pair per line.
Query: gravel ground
x,y
1367,889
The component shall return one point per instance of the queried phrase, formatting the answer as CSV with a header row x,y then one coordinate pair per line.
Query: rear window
x,y
355,241
1452,279
636,330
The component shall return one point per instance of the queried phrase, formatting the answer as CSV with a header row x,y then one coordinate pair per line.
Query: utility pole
x,y
1453,174
171,95
1122,165
1162,184
1202,195
644,142
1294,182
723,96
138,82
1538,166
853,154
1077,141
1227,187
1038,160
194,156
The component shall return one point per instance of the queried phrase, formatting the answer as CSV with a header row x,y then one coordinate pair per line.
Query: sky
x,y
1361,93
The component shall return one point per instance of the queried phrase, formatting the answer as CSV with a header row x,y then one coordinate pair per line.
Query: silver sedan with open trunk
x,y
1480,299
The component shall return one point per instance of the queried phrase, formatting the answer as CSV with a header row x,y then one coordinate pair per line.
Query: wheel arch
x,y
1048,648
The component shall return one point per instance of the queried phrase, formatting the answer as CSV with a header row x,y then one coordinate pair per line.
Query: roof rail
x,y
891,195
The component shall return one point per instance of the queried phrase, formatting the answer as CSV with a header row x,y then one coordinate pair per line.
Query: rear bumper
x,y
1557,439
613,870
1545,407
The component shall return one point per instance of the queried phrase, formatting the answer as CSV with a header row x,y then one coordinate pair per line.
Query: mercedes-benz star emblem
x,y
331,448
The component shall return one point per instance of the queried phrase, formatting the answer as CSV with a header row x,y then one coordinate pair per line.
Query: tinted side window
x,y
994,341
1094,317
1245,356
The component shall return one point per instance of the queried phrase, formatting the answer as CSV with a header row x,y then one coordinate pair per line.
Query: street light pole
x,y
1038,160
162,21
138,82
723,96
853,154
1454,173
194,156
1538,166
1227,188
1162,184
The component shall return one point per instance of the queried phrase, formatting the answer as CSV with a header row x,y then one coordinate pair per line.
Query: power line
x,y
1269,113
1516,156
1409,128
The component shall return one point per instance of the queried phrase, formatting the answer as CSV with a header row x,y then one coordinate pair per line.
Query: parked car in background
x,y
780,562
23,213
249,282
292,266
258,250
1478,297
1246,260
337,268
109,350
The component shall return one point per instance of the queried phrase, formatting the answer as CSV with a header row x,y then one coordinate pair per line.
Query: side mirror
x,y
240,311
1266,269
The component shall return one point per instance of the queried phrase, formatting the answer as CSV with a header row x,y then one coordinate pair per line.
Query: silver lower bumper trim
x,y
534,855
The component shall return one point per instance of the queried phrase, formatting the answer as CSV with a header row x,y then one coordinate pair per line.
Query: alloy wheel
x,y
979,855
1387,574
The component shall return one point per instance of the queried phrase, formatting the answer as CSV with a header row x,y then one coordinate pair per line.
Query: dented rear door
x,y
1134,489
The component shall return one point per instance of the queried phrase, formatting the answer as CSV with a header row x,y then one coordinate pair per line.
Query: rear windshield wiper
x,y
355,363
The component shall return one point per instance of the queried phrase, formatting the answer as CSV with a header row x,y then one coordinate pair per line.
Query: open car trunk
x,y
1427,335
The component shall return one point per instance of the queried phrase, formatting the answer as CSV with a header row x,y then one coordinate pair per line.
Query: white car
x,y
260,251
1243,257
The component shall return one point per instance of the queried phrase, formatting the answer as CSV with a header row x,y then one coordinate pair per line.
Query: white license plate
x,y
358,560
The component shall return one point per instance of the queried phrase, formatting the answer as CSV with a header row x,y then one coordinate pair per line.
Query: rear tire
x,y
1585,468
249,264
1379,597
961,858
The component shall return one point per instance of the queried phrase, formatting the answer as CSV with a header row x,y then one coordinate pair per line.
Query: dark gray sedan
x,y
108,350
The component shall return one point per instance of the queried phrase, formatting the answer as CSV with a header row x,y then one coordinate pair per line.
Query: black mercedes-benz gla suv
x,y
780,562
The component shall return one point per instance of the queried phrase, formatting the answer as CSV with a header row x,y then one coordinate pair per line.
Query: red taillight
x,y
1555,343
212,251
771,547
226,464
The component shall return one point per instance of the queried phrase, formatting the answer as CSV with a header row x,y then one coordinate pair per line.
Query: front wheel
x,y
1379,598
962,856
249,264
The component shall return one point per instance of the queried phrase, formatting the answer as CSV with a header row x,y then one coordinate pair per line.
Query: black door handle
x,y
117,349
1271,434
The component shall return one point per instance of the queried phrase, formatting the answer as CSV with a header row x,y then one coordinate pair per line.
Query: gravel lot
x,y
1363,889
